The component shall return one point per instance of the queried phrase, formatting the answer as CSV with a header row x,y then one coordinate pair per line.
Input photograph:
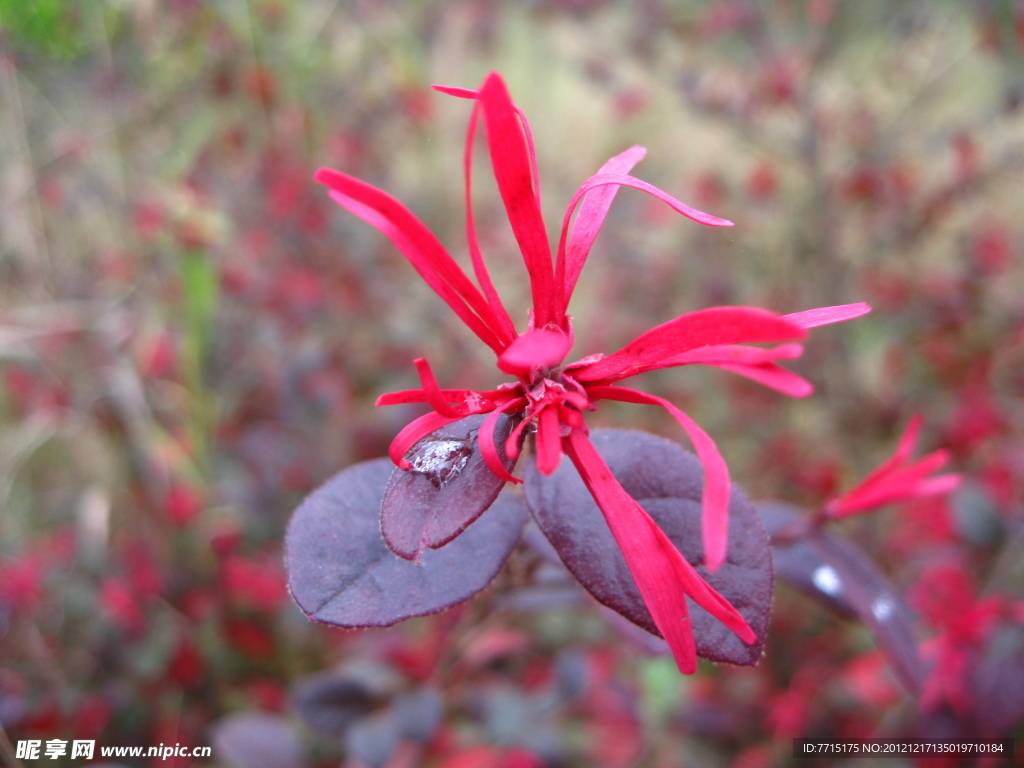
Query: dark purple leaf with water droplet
x,y
341,572
448,487
841,575
796,562
667,481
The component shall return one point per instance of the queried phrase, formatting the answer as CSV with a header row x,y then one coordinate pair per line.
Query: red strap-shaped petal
x,y
735,353
469,93
904,449
624,180
420,247
907,441
510,157
539,348
512,444
507,327
812,318
415,431
663,344
572,254
715,499
897,479
549,441
476,401
755,363
772,376
867,499
488,445
902,484
435,395
661,573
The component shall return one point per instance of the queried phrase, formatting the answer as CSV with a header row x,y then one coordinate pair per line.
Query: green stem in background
x,y
200,294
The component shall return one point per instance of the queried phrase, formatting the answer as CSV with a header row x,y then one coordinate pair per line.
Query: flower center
x,y
556,389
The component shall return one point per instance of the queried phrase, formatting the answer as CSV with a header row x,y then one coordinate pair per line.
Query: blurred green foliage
x,y
52,27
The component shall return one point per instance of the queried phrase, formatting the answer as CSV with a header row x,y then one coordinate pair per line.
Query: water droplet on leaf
x,y
441,460
827,580
883,607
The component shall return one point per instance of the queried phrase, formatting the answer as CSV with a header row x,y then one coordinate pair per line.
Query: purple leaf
x,y
341,572
330,703
997,682
842,576
373,740
448,487
414,716
667,481
256,740
419,713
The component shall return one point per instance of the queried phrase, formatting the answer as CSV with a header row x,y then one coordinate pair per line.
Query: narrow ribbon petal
x,y
549,441
661,345
510,157
593,210
488,445
515,436
407,396
415,431
904,449
456,91
648,560
506,326
907,441
734,353
433,392
539,348
624,180
477,401
715,500
870,499
754,363
661,573
812,318
772,376
419,246
907,482
897,479
469,93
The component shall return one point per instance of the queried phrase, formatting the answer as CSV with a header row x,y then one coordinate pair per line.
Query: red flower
x,y
552,395
897,479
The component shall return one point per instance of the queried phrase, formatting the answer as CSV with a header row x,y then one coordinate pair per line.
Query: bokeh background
x,y
192,337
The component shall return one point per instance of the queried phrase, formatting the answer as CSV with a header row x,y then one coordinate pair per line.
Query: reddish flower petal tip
x,y
323,176
812,318
663,576
715,497
897,479
451,90
665,345
713,563
512,159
